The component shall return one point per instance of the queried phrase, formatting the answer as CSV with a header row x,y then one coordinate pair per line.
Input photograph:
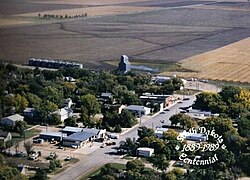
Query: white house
x,y
138,110
68,103
64,113
145,151
11,120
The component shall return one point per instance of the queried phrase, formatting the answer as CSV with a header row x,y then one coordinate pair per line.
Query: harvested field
x,y
229,63
92,11
163,31
9,22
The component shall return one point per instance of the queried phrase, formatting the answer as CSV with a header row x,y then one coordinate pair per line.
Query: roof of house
x,y
106,95
15,117
145,149
72,129
4,133
80,136
135,107
29,110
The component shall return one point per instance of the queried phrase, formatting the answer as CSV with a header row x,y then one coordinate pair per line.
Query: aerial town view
x,y
125,89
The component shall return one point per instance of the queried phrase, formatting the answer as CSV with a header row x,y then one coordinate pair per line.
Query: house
x,y
124,64
99,133
78,139
49,135
5,136
29,112
11,120
71,130
145,151
138,110
160,131
106,98
198,114
114,108
64,113
67,103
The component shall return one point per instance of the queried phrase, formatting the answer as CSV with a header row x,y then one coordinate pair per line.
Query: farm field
x,y
155,31
230,63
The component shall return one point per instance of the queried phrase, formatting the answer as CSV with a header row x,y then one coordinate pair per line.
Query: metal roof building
x,y
79,139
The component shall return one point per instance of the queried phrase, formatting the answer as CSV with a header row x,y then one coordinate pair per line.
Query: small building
x,y
160,131
160,79
198,114
166,100
79,139
11,120
124,65
138,111
145,151
29,112
49,135
5,136
71,130
64,113
194,136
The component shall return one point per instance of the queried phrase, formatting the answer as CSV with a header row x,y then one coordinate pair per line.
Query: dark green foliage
x,y
40,175
70,122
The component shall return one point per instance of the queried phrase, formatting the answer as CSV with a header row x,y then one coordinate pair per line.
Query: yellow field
x,y
229,63
91,11
10,22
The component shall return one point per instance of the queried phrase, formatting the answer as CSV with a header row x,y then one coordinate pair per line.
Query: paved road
x,y
101,156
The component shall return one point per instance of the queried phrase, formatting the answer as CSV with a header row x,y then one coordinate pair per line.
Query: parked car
x,y
67,158
74,146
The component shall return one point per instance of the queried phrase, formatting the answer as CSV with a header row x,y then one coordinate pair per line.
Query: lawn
x,y
28,134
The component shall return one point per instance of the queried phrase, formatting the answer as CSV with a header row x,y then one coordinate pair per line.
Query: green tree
x,y
70,122
90,102
20,127
145,132
160,162
127,119
20,103
41,175
184,120
135,165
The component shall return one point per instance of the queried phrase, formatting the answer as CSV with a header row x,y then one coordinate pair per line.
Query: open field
x,y
230,63
163,31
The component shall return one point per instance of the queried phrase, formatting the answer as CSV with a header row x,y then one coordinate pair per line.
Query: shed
x,y
11,120
145,151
